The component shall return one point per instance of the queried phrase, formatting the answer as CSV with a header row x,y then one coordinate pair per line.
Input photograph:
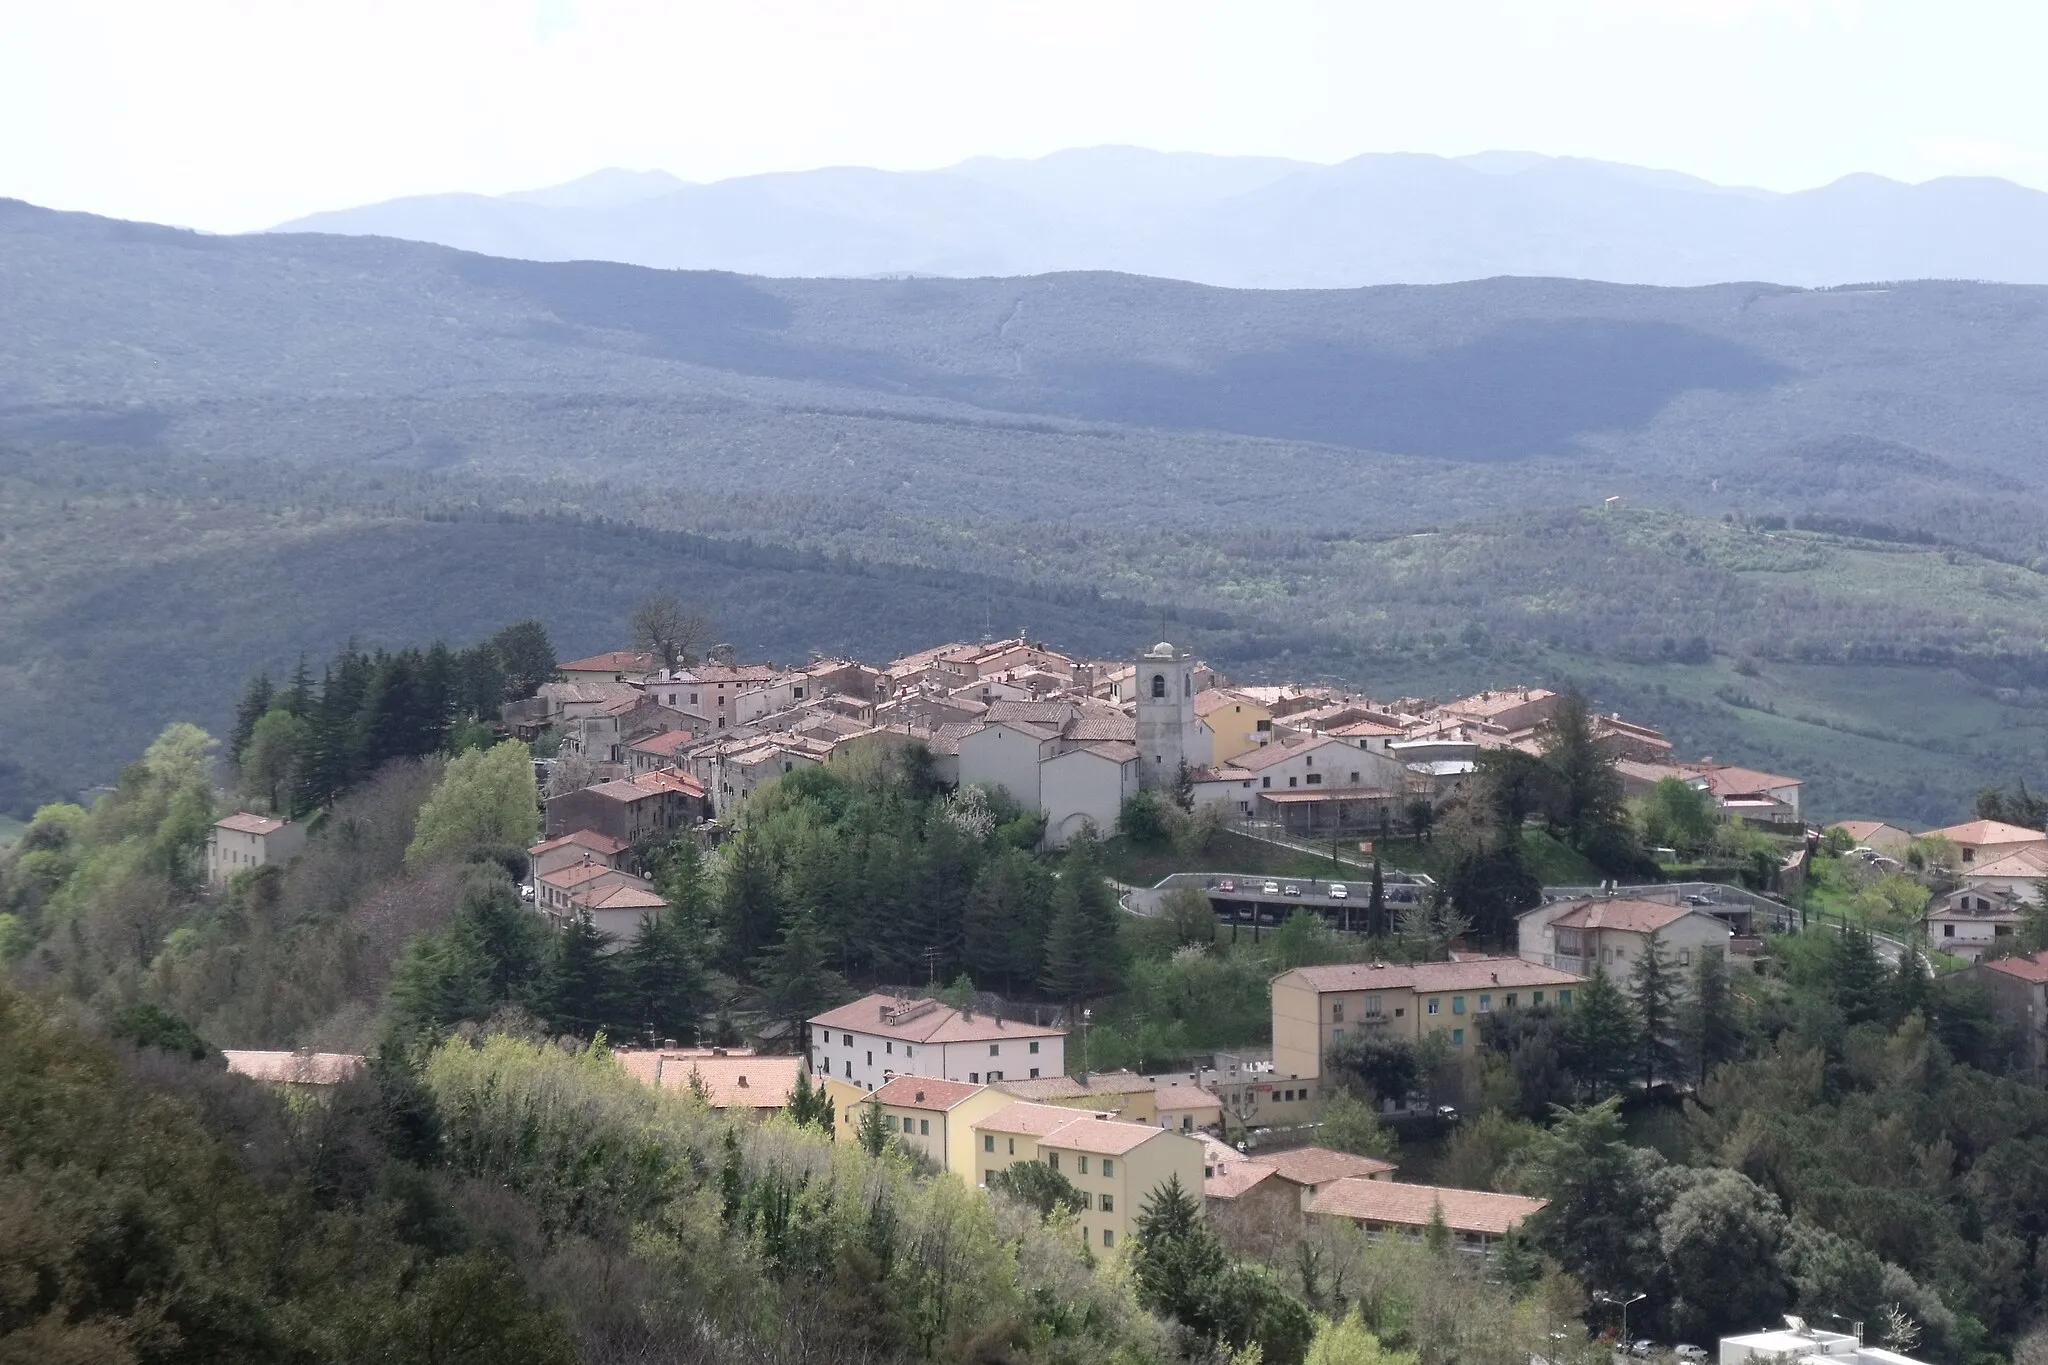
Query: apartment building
x,y
880,1037
1315,1008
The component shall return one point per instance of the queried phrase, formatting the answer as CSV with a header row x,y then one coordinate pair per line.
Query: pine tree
x,y
665,978
526,656
1709,1027
1601,1040
298,695
810,1106
1911,991
254,705
795,982
1178,1258
1589,809
1653,985
871,1132
749,904
1068,973
580,994
1005,920
1857,978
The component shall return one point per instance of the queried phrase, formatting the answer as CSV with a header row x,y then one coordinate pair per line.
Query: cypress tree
x,y
664,978
1653,984
581,992
255,703
1376,903
1709,1027
298,696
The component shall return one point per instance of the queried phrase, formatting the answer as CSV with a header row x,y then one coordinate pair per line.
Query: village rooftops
x,y
2020,863
1978,833
294,1068
1178,1097
1863,830
578,874
736,1079
601,844
927,1092
1723,780
663,745
2030,969
1320,1165
625,898
926,1021
1629,916
246,822
1227,1173
1425,977
1487,705
1079,1087
1390,1201
618,661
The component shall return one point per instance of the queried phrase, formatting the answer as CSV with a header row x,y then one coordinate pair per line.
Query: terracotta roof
x,y
1265,756
1723,780
1075,1087
623,789
588,689
2021,862
1489,704
294,1068
1227,1172
626,898
1214,699
1320,1165
1114,727
1184,1097
583,838
1035,1120
1635,917
1650,772
1978,832
1360,729
671,781
618,661
1861,830
1100,1136
578,874
1390,1201
1111,750
940,1023
1332,793
1425,977
926,1092
2034,969
245,822
664,744
738,1080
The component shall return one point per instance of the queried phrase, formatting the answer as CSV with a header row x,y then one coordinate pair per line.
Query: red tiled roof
x,y
662,745
926,1092
739,1080
1630,916
246,822
2034,969
1227,1172
1106,1137
1980,832
671,781
1076,1087
1035,1120
940,1023
583,838
626,898
1320,1165
1390,1201
1179,1097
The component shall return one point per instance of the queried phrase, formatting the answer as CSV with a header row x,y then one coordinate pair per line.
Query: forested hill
x,y
216,453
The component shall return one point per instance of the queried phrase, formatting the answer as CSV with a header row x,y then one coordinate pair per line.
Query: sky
x,y
232,115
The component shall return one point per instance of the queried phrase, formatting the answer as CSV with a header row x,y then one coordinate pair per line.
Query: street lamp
x,y
1624,1303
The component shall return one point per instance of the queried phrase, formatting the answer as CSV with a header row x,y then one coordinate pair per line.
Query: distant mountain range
x,y
1250,222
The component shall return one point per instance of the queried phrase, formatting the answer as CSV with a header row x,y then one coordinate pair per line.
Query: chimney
x,y
920,1097
743,1082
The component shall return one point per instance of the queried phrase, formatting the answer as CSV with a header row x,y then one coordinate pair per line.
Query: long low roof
x,y
927,1021
1390,1201
1425,977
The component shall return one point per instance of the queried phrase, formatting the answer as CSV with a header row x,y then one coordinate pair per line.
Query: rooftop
x,y
602,844
926,1092
1079,1087
1980,832
1100,1136
1320,1165
927,1021
618,661
732,1080
1635,917
1390,1201
2034,969
1424,977
246,822
1227,1172
1035,1120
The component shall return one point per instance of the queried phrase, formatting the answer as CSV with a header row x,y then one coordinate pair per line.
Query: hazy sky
x,y
229,115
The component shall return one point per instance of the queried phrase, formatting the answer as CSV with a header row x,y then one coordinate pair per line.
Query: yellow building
x,y
1314,1008
1115,1164
933,1116
1238,723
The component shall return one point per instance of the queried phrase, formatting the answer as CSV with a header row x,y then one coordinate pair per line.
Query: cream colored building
x,y
927,1114
878,1038
244,840
1237,723
1576,936
1116,1165
1987,841
1315,1008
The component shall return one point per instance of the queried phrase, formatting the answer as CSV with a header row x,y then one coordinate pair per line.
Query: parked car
x,y
1339,892
1226,885
1447,1112
1642,1348
1270,889
1294,888
1686,1351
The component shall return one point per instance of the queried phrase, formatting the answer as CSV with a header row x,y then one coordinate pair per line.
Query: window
x,y
924,1126
1264,726
1159,684
988,1142
1564,997
889,1122
1948,931
1336,1035
1685,957
1457,1004
994,1076
1315,779
849,1068
1372,1007
1109,1203
1052,1159
1034,1047
1337,1011
1108,1238
1084,1166
871,1056
1485,1003
1087,1202
1400,1011
1034,1073
889,1047
974,1078
1536,998
1435,1005
1292,782
908,1049
1354,776
995,1049
1457,1037
1013,1146
1265,782
1108,1170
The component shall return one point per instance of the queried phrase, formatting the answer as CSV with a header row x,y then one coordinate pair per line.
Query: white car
x,y
1270,889
1339,892
1688,1352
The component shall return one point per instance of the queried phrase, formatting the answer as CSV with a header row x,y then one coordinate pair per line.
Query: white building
x,y
1797,1343
1577,936
244,840
879,1037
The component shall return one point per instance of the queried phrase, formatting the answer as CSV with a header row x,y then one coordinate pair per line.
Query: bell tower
x,y
1168,733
